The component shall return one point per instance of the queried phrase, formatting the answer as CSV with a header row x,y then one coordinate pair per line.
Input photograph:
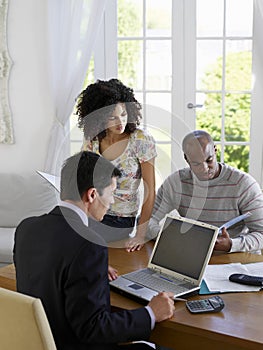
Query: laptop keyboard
x,y
156,283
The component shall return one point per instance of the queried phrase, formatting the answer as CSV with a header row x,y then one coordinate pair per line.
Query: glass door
x,y
190,65
223,76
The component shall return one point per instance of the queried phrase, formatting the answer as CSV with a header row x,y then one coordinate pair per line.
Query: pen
x,y
179,299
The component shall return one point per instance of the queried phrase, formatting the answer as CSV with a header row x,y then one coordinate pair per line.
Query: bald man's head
x,y
200,153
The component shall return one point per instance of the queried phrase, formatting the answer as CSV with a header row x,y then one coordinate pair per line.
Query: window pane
x,y
237,156
130,18
200,100
89,79
237,117
218,153
209,117
209,64
138,96
158,65
209,17
157,113
158,17
159,99
162,163
238,64
239,17
130,63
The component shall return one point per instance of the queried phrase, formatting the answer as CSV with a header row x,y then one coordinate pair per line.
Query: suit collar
x,y
75,222
77,210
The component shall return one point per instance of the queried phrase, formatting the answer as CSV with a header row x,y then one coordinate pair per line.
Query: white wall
x,y
29,97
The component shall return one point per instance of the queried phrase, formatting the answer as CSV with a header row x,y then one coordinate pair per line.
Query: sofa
x,y
21,196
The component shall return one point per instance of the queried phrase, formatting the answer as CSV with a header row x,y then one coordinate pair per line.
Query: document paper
x,y
217,277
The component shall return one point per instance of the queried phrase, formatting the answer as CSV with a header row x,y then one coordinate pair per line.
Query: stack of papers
x,y
216,277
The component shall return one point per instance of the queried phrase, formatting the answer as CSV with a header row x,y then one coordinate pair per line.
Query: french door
x,y
190,64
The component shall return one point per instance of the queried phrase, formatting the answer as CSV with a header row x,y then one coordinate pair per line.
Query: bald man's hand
x,y
223,242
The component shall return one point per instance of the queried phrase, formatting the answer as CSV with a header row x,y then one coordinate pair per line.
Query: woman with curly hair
x,y
110,115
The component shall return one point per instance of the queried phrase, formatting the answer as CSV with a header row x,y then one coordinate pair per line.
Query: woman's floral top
x,y
140,148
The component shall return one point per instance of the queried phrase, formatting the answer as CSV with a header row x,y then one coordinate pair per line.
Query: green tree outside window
x,y
237,107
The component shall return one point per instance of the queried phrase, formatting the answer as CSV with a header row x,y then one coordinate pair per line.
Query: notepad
x,y
234,221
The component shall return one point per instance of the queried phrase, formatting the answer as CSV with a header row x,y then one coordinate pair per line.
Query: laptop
x,y
177,264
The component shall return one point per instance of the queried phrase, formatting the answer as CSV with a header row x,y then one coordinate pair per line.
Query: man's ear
x,y
215,148
91,194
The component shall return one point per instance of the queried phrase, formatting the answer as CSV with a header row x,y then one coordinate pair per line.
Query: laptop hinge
x,y
187,280
156,269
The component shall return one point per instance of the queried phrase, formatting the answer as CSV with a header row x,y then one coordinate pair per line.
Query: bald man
x,y
212,192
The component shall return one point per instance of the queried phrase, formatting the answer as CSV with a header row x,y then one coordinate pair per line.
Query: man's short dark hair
x,y
83,171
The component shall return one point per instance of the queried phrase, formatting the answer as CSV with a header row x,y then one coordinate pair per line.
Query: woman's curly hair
x,y
97,102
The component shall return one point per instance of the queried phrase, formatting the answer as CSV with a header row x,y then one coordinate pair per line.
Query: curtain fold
x,y
72,29
6,122
256,143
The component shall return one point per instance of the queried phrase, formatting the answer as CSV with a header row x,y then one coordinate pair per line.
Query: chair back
x,y
23,323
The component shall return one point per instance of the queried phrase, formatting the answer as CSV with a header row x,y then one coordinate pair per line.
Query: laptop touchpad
x,y
135,286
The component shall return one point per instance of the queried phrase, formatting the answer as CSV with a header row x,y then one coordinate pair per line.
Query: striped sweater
x,y
214,201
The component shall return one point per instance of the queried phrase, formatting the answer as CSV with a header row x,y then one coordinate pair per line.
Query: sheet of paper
x,y
255,269
52,179
217,277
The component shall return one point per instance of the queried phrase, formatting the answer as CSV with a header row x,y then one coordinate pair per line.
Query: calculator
x,y
213,304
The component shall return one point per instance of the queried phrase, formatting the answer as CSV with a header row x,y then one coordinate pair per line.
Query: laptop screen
x,y
183,247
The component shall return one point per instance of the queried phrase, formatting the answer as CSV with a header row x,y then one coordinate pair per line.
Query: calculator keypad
x,y
200,305
212,304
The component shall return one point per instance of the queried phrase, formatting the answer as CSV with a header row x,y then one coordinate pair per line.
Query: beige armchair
x,y
23,323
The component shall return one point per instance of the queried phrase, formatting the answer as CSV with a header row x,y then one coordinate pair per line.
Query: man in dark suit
x,y
59,259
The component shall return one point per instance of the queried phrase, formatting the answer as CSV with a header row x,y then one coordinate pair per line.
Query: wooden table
x,y
8,277
238,326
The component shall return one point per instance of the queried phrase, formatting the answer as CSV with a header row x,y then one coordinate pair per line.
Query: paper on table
x,y
255,269
217,277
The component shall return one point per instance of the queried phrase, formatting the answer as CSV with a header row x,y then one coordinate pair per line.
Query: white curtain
x,y
72,29
256,142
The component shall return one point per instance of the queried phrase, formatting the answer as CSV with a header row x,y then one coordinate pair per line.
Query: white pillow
x,y
24,195
6,244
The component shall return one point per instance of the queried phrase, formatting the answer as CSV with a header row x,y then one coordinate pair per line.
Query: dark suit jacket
x,y
64,263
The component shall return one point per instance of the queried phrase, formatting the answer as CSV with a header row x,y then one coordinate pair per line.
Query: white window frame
x,y
256,128
183,83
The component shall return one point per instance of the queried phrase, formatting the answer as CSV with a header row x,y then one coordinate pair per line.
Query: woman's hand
x,y
148,177
112,273
135,243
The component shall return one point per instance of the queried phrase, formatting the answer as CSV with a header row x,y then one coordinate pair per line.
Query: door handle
x,y
191,105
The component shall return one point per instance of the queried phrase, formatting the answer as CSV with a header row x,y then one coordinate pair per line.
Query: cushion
x,y
24,195
6,244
